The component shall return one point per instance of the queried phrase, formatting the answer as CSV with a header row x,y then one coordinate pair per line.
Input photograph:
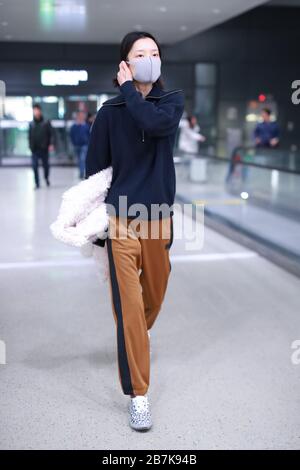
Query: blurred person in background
x,y
189,139
266,133
79,134
190,136
41,141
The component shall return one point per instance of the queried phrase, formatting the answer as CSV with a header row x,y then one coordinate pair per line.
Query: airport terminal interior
x,y
225,349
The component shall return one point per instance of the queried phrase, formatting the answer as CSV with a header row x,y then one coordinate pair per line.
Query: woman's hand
x,y
124,73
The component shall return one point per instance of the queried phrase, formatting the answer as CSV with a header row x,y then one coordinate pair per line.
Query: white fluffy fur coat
x,y
83,217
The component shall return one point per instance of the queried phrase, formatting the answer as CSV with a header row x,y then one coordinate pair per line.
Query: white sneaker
x,y
139,413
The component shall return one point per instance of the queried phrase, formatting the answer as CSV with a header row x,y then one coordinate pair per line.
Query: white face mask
x,y
146,69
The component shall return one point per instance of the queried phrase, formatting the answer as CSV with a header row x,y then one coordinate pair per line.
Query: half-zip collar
x,y
156,93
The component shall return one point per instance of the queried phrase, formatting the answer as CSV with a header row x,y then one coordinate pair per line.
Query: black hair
x,y
126,45
37,106
189,118
267,110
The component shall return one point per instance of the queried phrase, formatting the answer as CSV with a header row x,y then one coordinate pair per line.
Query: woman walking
x,y
134,132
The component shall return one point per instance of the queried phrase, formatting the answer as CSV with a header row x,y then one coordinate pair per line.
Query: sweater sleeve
x,y
51,135
157,120
98,154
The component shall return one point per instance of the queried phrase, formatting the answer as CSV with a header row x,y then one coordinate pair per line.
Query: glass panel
x,y
14,139
272,158
18,108
18,113
205,74
260,201
205,102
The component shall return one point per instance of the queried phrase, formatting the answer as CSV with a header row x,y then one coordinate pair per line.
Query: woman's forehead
x,y
144,44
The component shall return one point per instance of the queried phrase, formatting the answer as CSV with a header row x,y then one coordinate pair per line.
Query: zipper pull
x,y
143,137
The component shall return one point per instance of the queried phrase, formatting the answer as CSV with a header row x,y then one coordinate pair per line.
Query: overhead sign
x,y
63,77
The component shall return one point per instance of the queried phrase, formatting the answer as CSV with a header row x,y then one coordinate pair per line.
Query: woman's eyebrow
x,y
143,50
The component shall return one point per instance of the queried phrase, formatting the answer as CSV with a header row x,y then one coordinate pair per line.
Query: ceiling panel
x,y
284,3
97,21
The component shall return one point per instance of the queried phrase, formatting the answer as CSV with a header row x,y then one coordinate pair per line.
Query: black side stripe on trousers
x,y
122,355
168,245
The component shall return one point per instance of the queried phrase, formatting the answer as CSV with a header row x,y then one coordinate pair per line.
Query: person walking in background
x,y
189,138
266,133
41,141
79,134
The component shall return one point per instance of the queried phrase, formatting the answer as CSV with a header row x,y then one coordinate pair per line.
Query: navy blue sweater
x,y
265,131
136,136
79,134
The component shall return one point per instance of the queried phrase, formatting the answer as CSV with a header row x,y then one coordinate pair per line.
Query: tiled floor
x,y
222,375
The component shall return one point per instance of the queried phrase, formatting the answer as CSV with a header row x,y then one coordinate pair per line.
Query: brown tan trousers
x,y
139,269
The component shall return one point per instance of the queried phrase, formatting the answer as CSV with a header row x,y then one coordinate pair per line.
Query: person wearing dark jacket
x,y
79,134
134,132
41,140
266,133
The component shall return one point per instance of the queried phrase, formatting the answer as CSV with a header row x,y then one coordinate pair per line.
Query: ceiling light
x,y
162,8
216,11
